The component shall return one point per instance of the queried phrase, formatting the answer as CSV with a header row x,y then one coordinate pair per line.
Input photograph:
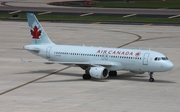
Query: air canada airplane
x,y
98,62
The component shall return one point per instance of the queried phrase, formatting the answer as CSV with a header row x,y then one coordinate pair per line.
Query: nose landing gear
x,y
151,79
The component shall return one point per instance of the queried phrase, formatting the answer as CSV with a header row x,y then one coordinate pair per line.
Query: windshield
x,y
160,58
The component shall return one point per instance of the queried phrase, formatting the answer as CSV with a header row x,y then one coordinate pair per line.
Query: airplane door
x,y
104,57
145,59
48,52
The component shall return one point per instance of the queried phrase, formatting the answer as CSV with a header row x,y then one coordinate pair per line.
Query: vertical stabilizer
x,y
38,34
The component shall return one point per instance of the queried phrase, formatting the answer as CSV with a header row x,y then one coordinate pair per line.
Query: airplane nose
x,y
169,66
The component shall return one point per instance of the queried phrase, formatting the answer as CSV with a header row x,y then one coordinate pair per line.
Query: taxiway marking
x,y
15,12
174,16
96,23
129,15
44,13
138,39
87,14
33,81
147,25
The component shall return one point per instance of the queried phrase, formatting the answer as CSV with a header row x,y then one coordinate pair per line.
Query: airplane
x,y
97,62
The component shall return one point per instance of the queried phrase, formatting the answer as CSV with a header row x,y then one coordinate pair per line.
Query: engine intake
x,y
98,72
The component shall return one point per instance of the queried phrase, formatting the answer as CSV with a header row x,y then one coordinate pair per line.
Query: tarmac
x,y
66,91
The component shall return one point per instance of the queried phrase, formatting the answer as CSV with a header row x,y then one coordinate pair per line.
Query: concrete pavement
x,y
66,91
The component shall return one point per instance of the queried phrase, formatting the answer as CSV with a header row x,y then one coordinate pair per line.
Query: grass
x,y
93,18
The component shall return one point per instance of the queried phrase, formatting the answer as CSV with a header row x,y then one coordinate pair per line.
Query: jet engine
x,y
98,72
138,72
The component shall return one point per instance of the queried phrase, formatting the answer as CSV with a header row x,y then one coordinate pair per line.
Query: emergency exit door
x,y
48,52
145,59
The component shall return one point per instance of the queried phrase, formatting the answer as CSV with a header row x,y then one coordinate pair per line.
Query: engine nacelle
x,y
137,72
98,72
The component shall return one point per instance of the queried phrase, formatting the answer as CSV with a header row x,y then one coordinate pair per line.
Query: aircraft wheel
x,y
112,73
86,77
151,80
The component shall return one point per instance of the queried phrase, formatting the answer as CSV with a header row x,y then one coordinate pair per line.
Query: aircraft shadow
x,y
39,71
74,75
134,77
126,76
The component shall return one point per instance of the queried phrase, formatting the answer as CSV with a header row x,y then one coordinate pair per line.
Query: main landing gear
x,y
112,73
151,77
86,76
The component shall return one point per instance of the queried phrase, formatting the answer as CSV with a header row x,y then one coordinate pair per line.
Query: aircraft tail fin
x,y
38,34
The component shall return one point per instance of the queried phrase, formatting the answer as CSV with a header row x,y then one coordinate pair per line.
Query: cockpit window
x,y
155,59
164,58
160,58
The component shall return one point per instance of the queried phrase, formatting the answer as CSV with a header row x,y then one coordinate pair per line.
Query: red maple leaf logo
x,y
36,33
138,53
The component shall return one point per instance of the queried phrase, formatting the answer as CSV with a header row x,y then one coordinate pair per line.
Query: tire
x,y
112,73
86,77
151,80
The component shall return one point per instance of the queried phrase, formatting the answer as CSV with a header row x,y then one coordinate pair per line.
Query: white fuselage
x,y
134,60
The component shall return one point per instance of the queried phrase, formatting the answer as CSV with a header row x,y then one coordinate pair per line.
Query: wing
x,y
88,64
80,64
